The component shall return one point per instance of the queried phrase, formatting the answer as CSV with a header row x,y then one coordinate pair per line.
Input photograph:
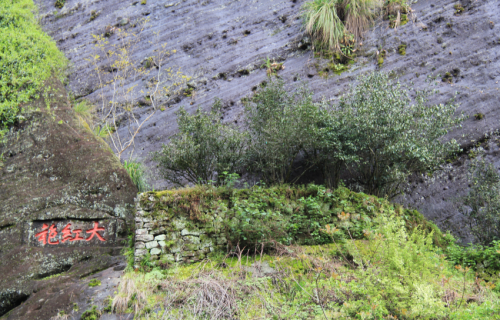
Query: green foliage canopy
x,y
203,149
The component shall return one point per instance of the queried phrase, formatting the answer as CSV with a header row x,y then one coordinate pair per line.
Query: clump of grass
x,y
359,14
323,23
83,110
137,174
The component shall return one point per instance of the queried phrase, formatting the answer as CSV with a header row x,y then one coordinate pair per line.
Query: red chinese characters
x,y
49,234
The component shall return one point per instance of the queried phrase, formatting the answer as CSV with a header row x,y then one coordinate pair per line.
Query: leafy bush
x,y
137,174
485,260
282,126
28,57
391,134
91,314
481,206
203,149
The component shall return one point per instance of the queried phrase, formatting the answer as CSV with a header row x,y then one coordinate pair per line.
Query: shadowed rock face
x,y
223,43
57,177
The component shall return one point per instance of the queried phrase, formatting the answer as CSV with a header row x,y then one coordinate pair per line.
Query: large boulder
x,y
65,203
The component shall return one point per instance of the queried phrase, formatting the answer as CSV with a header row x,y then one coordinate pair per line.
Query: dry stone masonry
x,y
171,237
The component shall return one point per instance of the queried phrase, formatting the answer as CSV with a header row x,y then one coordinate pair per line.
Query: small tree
x,y
392,134
282,126
481,206
202,150
121,91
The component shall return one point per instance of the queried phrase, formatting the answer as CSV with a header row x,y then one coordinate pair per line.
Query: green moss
x,y
380,61
459,9
94,283
402,49
59,4
479,116
92,314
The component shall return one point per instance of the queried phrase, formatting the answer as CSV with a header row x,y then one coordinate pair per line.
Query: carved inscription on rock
x,y
72,233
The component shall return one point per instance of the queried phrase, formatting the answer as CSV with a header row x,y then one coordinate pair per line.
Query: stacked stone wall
x,y
173,238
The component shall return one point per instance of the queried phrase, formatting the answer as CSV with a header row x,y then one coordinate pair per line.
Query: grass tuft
x,y
323,23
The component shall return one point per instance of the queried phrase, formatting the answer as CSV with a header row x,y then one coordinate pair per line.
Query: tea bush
x,y
203,149
392,134
28,57
282,126
481,206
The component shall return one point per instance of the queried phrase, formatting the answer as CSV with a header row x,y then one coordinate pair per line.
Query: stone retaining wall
x,y
173,238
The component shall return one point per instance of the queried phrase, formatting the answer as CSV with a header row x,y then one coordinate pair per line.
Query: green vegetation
x,y
91,314
289,215
332,22
59,4
28,57
391,272
376,132
137,173
323,23
391,134
203,147
94,283
481,206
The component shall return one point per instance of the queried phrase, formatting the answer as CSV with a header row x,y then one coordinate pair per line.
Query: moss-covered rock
x,y
55,173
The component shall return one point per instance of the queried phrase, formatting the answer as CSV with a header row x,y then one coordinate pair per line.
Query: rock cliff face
x,y
65,205
223,43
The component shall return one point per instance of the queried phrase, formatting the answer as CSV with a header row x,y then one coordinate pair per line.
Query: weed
x,y
479,116
91,314
94,283
459,9
59,4
402,49
137,174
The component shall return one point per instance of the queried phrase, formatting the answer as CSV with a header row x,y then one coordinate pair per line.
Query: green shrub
x,y
481,206
391,134
203,149
28,57
323,23
282,126
137,174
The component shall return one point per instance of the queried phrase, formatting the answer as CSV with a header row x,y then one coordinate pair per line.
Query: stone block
x,y
162,243
192,246
169,257
186,232
191,239
152,244
140,252
178,224
149,225
144,237
140,245
155,251
141,231
161,237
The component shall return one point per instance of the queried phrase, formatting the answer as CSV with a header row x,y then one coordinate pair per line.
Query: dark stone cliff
x,y
57,174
